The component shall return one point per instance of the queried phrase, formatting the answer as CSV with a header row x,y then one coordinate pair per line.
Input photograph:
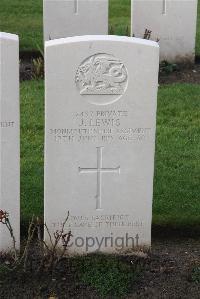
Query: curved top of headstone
x,y
5,35
93,38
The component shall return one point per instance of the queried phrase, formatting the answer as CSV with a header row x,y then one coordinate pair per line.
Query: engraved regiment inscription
x,y
104,126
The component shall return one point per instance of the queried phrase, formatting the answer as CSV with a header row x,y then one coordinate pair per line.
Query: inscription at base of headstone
x,y
74,17
171,23
101,97
9,138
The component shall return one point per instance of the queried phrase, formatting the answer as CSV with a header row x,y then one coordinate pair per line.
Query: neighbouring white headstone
x,y
101,97
9,138
65,18
170,22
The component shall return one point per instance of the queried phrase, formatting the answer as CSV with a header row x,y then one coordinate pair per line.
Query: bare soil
x,y
184,74
169,273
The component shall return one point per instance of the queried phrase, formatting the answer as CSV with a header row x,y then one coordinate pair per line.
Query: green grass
x,y
120,16
32,140
176,184
108,275
24,17
195,277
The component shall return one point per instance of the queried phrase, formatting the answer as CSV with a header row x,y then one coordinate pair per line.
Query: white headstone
x,y
171,22
101,96
64,18
9,137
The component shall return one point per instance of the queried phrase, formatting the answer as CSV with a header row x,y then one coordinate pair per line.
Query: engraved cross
x,y
99,170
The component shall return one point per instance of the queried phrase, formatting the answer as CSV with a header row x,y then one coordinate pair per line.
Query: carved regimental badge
x,y
102,74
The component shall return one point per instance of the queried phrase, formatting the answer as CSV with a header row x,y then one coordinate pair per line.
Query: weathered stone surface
x,y
64,18
172,23
9,137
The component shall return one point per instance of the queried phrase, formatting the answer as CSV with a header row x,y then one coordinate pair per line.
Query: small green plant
x,y
196,274
111,30
119,30
108,274
38,64
38,68
4,270
168,68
